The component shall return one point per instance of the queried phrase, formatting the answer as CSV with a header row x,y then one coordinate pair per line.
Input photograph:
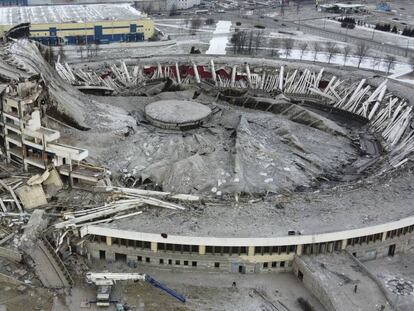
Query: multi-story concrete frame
x,y
27,142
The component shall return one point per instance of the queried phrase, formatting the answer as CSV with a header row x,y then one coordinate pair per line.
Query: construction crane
x,y
105,281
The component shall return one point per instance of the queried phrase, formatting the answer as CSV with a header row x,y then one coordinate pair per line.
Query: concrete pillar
x,y
177,73
196,75
213,72
384,236
281,77
250,252
202,250
344,244
109,240
154,247
299,250
233,76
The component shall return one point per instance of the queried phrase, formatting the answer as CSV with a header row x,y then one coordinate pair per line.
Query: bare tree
x,y
390,62
376,61
316,49
89,50
332,49
274,44
288,46
361,52
303,46
258,39
195,24
345,52
81,48
97,49
173,10
239,40
210,21
250,43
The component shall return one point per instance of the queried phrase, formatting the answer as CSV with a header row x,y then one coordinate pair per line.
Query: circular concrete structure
x,y
177,114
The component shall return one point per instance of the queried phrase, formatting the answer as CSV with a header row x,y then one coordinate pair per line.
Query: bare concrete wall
x,y
312,284
225,263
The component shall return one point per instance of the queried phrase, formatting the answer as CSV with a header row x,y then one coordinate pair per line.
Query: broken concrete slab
x,y
53,183
31,196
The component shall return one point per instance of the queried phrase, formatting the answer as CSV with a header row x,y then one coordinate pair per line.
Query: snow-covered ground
x,y
398,69
220,38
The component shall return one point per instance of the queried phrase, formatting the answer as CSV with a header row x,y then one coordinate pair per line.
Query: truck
x,y
104,281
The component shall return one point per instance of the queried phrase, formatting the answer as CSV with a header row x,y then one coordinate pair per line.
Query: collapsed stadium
x,y
332,146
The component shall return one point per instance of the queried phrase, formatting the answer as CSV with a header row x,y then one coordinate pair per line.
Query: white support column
x,y
160,73
213,72
197,76
281,76
249,76
177,71
233,76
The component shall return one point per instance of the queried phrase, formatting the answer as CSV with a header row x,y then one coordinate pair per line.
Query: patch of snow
x,y
220,38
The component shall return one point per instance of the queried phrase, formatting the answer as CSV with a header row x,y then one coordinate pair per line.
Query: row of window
x,y
269,250
365,239
169,262
320,248
177,262
314,248
398,232
273,264
228,250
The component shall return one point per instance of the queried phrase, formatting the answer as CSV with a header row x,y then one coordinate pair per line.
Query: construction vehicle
x,y
105,281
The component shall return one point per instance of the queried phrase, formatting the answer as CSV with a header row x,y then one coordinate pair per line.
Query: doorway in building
x,y
300,275
102,255
120,257
242,269
391,250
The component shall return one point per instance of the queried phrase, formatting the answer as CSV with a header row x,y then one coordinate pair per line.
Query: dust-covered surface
x,y
177,111
203,291
24,298
345,283
238,150
393,270
372,204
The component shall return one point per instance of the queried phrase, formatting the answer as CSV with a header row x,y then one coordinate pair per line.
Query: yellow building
x,y
80,24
